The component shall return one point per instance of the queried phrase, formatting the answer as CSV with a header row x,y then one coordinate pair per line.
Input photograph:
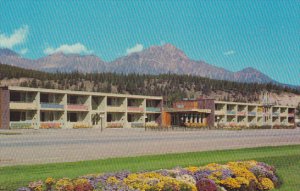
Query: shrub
x,y
81,126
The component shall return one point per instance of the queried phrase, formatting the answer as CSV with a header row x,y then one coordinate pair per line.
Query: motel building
x,y
36,108
220,114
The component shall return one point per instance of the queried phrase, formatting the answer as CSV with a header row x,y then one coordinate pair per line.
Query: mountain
x,y
251,75
70,62
167,59
153,60
7,52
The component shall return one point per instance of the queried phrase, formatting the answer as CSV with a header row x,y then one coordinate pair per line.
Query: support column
x,y
65,114
38,111
4,108
89,115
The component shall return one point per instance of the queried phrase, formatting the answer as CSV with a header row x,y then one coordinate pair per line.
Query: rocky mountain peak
x,y
153,60
249,70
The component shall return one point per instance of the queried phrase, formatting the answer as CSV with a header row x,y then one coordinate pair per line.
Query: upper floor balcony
x,y
231,112
135,109
115,109
252,113
220,112
242,113
23,105
153,109
50,106
77,107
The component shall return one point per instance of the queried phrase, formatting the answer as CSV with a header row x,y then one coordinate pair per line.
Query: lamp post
x,y
218,121
101,117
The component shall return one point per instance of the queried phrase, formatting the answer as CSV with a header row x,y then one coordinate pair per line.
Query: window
x,y
44,98
109,117
15,96
72,117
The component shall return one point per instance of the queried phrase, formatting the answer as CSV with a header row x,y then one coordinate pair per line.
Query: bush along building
x,y
35,108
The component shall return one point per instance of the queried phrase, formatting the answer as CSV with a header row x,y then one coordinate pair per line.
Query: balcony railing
x,y
259,113
291,115
135,109
220,112
241,112
252,113
152,109
23,105
283,114
276,114
79,107
21,125
115,109
51,106
231,112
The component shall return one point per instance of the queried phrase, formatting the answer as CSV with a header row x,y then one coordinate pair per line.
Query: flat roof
x,y
57,91
250,104
172,110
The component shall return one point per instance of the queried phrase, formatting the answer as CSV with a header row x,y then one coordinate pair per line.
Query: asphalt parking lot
x,y
48,146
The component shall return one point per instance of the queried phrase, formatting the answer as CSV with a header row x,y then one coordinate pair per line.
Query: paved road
x,y
47,146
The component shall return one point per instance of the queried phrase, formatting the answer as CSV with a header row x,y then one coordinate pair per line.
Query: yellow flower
x,y
231,183
214,166
49,181
192,168
64,184
242,180
266,184
242,172
112,180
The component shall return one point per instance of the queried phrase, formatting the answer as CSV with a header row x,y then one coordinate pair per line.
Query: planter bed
x,y
233,176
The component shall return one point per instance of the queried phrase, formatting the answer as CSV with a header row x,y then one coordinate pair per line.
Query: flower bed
x,y
195,125
21,125
50,125
81,126
233,176
152,125
284,126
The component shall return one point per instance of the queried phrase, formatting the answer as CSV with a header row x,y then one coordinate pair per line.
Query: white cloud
x,y
23,51
77,48
136,48
228,53
18,37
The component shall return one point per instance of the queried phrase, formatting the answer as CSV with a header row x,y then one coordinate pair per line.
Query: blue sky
x,y
230,34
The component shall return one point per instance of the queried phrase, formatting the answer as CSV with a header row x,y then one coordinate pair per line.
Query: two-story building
x,y
22,107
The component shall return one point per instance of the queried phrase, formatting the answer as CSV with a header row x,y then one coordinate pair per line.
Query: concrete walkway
x,y
48,146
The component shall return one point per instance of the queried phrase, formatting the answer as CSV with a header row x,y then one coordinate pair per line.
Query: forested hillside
x,y
171,86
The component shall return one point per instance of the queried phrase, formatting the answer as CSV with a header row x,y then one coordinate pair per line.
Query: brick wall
x,y
208,104
186,104
4,108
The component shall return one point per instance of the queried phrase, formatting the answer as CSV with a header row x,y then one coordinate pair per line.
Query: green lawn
x,y
285,158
